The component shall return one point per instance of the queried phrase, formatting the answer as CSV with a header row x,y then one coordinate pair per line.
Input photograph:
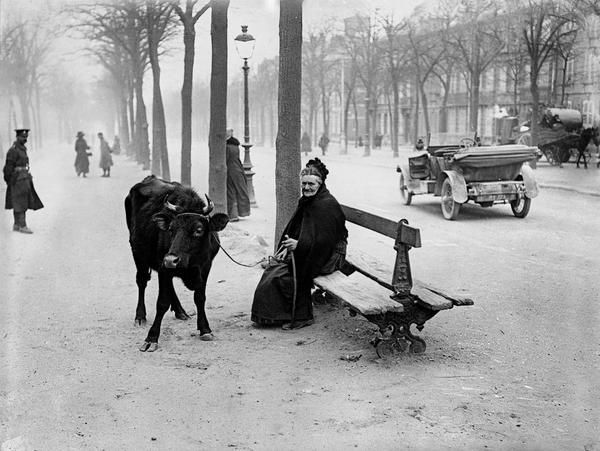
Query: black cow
x,y
171,232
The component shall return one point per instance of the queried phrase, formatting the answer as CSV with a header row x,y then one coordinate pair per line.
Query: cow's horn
x,y
171,206
209,205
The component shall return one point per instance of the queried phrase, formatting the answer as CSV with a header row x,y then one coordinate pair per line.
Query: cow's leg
x,y
142,277
165,286
200,301
176,306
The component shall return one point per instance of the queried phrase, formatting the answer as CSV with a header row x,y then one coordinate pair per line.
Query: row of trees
x,y
378,61
24,49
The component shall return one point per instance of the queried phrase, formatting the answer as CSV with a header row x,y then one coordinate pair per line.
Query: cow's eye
x,y
198,232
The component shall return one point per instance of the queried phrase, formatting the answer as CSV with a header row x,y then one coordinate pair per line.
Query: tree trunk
x,y
189,37
474,117
535,103
394,131
159,129
141,119
287,154
123,121
217,169
425,107
132,150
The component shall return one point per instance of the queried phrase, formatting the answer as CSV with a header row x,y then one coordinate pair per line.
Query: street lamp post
x,y
245,46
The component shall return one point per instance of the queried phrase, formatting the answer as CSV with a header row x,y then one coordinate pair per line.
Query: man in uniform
x,y
20,193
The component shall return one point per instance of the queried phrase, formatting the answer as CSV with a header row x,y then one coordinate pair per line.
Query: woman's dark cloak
x,y
319,225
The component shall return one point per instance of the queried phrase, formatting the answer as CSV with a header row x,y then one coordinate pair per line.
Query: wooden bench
x,y
388,298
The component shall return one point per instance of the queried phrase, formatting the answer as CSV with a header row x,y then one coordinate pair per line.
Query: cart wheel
x,y
565,155
450,208
404,192
520,207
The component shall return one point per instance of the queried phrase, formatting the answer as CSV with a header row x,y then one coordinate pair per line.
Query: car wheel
x,y
404,192
520,207
450,208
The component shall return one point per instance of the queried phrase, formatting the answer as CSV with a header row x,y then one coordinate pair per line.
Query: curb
x,y
574,190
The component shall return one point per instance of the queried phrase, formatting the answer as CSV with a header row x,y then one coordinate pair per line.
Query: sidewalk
x,y
569,177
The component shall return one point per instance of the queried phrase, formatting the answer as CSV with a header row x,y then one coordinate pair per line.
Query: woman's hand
x,y
289,243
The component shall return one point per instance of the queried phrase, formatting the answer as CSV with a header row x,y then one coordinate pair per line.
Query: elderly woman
x,y
315,242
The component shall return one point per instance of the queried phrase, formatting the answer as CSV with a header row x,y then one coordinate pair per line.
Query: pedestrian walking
x,y
238,201
82,161
323,143
305,144
105,156
20,192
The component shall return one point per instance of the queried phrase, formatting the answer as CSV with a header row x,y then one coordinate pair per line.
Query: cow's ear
x,y
162,221
218,222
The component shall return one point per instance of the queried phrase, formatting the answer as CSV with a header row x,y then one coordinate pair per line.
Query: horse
x,y
587,135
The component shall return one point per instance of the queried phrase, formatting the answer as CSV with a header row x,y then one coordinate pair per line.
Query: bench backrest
x,y
405,237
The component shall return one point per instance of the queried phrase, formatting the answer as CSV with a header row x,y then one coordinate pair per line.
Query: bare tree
x,y
478,36
395,55
312,55
287,156
25,46
544,24
363,42
159,27
266,98
122,24
217,175
188,18
427,52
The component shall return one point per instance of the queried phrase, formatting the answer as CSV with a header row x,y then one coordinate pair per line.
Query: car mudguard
x,y
531,186
459,186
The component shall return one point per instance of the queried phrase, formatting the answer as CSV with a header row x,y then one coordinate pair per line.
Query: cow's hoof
x,y
207,337
139,322
149,347
182,316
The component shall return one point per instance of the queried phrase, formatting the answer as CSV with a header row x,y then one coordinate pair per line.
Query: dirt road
x,y
72,376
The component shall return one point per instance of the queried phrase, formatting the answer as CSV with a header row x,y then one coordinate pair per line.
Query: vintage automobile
x,y
485,175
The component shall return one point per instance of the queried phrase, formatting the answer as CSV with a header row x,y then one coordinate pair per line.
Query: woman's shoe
x,y
298,324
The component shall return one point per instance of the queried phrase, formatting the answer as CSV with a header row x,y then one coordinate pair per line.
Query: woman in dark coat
x,y
238,201
82,162
316,236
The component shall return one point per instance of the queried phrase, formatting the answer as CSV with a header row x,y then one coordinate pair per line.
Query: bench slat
x,y
370,221
454,298
360,292
382,273
431,299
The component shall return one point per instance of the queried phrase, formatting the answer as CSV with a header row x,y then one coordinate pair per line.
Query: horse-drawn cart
x,y
485,175
559,135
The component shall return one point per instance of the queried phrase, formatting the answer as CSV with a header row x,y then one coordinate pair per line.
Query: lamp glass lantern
x,y
244,43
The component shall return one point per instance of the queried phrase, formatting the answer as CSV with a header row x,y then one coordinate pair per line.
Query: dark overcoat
x,y
237,188
20,192
82,162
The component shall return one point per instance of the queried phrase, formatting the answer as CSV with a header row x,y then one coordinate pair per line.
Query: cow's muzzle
x,y
171,261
